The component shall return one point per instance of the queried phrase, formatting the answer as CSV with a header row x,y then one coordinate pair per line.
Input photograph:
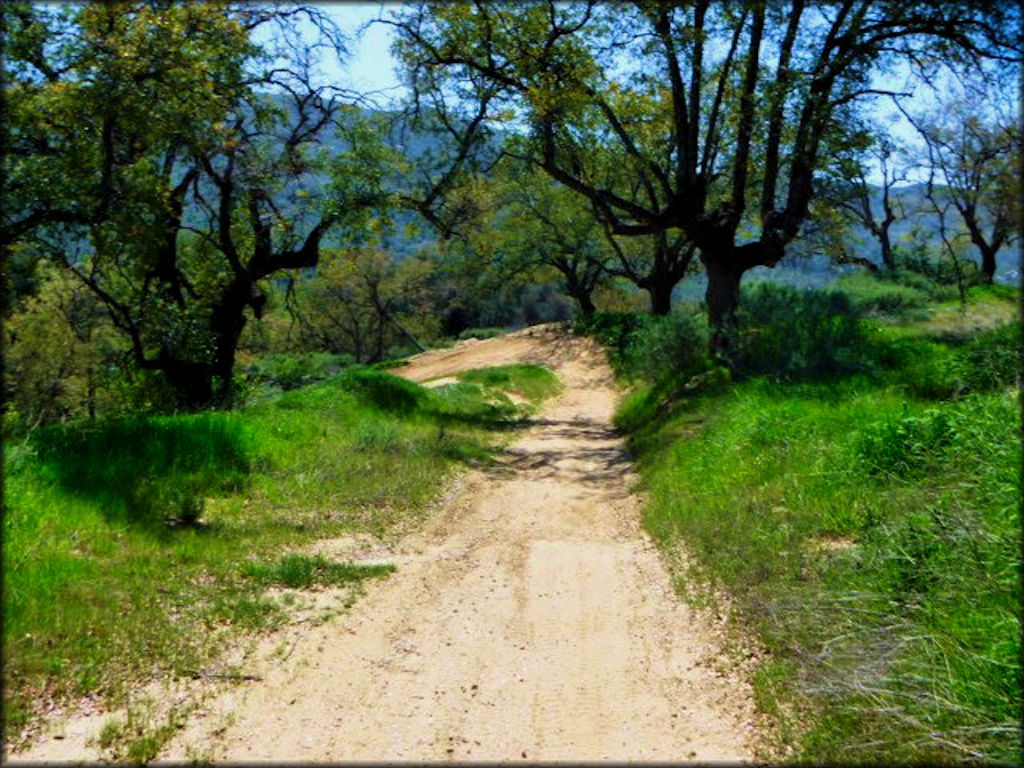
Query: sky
x,y
371,66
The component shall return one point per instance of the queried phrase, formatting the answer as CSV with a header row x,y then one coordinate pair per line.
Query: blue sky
x,y
370,66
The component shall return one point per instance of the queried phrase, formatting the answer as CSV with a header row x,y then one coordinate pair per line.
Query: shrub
x,y
793,333
667,347
650,347
904,446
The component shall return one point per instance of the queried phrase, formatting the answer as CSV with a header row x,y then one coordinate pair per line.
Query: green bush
x,y
667,347
650,347
793,333
872,294
290,371
992,360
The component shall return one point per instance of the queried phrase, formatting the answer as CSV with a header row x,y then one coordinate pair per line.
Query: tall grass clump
x,y
873,546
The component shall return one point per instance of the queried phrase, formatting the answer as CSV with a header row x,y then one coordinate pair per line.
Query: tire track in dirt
x,y
529,619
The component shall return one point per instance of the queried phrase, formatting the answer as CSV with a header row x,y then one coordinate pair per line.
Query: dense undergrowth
x,y
136,548
855,487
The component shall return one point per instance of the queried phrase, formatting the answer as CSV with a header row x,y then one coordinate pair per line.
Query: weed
x,y
305,571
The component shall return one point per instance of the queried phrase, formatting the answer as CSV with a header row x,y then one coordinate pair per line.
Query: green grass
x,y
867,529
143,546
305,571
532,382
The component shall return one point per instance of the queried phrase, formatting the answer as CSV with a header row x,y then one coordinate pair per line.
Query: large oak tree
x,y
170,163
719,114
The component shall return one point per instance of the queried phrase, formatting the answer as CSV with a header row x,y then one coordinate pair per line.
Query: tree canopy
x,y
717,116
165,159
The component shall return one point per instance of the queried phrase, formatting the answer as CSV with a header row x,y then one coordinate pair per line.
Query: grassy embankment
x,y
137,549
857,495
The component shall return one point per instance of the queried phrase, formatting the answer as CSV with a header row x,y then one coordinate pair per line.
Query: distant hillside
x,y
802,266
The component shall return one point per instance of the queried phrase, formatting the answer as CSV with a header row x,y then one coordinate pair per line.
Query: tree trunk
x,y
586,304
660,292
579,293
988,265
886,243
723,299
192,382
227,322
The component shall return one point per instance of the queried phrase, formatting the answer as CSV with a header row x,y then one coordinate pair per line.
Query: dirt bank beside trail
x,y
529,619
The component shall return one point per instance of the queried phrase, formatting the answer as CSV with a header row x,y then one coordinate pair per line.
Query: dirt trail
x,y
530,619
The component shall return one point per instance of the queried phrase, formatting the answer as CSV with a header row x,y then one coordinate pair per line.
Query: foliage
x,y
786,332
160,159
973,146
61,355
673,122
362,302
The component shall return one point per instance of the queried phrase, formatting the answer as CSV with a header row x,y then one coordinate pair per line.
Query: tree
x,y
848,197
977,157
542,225
362,302
722,113
56,344
166,161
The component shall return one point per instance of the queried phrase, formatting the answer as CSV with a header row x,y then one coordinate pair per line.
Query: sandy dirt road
x,y
530,619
